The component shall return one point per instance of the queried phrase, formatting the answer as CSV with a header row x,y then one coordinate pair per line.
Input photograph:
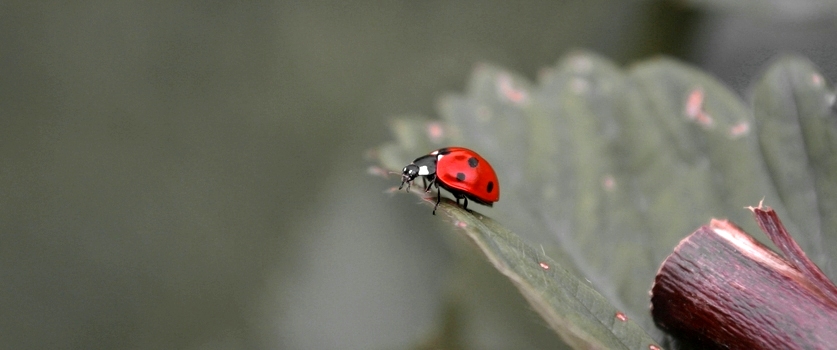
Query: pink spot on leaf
x,y
608,182
739,129
544,265
378,171
694,104
506,88
621,316
694,109
705,119
817,80
435,132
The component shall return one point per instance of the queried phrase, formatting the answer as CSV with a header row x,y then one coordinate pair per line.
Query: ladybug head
x,y
408,175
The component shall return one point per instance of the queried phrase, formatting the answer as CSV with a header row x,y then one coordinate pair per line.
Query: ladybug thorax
x,y
422,166
425,165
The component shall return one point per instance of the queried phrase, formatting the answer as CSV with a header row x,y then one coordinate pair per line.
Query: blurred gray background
x,y
191,175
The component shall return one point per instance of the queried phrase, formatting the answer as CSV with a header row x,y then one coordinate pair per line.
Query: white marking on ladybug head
x,y
434,152
423,170
439,156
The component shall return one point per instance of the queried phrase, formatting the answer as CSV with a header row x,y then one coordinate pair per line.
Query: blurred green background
x,y
191,175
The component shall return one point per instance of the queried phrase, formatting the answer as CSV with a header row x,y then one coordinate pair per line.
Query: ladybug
x,y
461,171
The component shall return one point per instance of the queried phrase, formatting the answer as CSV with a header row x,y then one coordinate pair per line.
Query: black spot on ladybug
x,y
460,176
473,162
443,151
490,187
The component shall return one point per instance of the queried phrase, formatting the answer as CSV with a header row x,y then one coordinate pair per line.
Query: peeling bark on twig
x,y
723,289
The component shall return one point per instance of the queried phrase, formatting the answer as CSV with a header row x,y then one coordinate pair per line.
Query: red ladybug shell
x,y
463,172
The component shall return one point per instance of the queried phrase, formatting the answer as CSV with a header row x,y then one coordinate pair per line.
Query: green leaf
x,y
582,316
797,132
608,169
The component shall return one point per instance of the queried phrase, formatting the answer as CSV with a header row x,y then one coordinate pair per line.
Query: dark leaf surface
x,y
571,307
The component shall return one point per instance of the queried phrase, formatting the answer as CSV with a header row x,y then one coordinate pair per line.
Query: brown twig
x,y
723,289
773,228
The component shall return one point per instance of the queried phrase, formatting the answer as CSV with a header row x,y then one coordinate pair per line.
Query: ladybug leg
x,y
438,198
427,186
464,204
